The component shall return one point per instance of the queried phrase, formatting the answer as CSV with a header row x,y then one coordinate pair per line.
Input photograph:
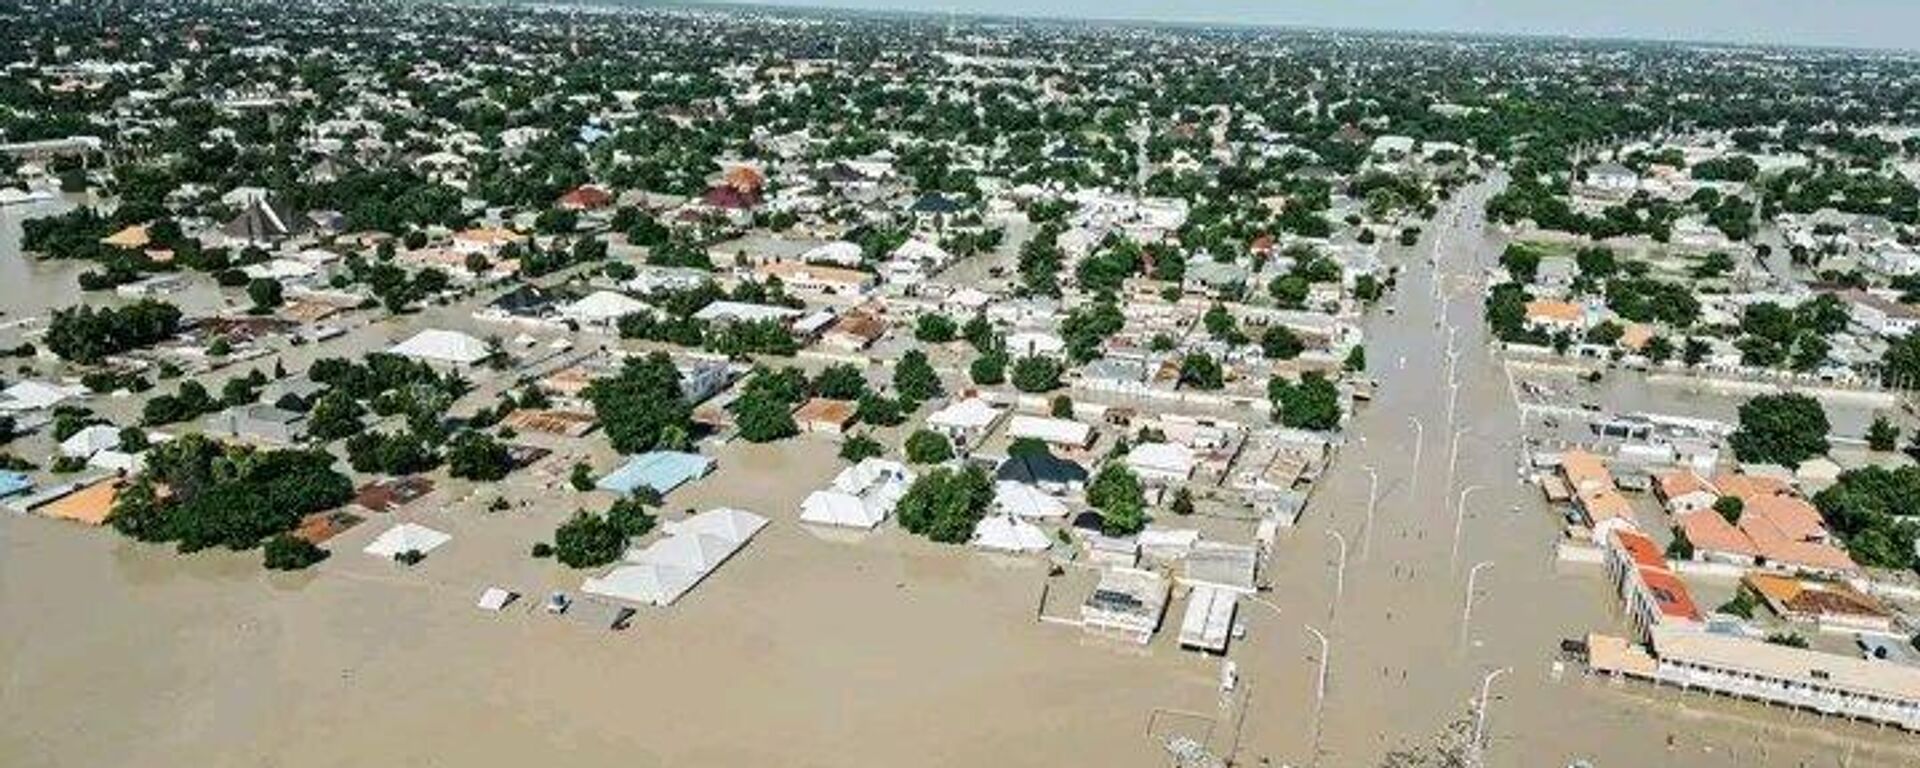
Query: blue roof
x,y
14,482
662,471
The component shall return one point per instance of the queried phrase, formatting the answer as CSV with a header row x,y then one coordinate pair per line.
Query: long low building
x,y
1841,686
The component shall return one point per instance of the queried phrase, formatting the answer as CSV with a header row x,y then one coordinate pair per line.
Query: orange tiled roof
x,y
1556,311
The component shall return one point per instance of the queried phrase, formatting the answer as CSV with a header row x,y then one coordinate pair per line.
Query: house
x,y
854,331
739,312
265,222
1554,316
30,395
1879,315
587,197
658,471
1161,463
1654,596
444,348
1063,433
1220,565
1009,533
818,278
1045,471
1683,492
1208,622
966,421
823,416
1612,178
603,309
1830,605
1035,344
90,440
1127,604
261,422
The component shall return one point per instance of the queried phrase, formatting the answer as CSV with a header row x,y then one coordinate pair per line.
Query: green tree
x,y
841,381
926,446
945,504
860,447
334,416
581,478
1356,359
1036,374
1882,435
286,552
1198,370
637,406
1781,429
989,369
1314,403
1279,342
914,378
474,455
935,329
587,541
1730,508
1116,492
763,418
266,295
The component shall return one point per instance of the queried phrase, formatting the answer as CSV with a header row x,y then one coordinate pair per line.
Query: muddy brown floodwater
x,y
807,650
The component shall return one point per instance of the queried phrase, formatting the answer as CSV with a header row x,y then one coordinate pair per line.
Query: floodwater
x,y
808,650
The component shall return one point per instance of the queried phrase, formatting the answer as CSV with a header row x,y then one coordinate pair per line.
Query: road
x,y
1403,663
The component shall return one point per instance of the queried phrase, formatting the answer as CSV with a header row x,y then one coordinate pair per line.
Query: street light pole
x,y
1319,691
1419,440
1459,522
1339,573
1480,713
1453,455
1466,609
1373,499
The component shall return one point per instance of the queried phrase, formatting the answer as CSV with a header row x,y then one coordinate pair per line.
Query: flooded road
x,y
1406,657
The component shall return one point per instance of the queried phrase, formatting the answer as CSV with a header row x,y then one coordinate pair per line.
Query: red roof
x,y
1642,549
731,198
586,198
1670,594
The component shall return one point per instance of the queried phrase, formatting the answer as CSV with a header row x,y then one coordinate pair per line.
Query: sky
x,y
1891,24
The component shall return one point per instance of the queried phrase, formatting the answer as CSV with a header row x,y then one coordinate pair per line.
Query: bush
x,y
286,552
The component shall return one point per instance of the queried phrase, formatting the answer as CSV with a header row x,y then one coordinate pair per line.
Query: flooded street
x,y
1402,662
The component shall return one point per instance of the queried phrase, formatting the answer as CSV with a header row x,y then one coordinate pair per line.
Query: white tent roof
x,y
443,346
36,395
602,306
871,472
725,522
1006,533
836,508
648,583
495,599
837,252
90,440
1022,500
971,413
1055,431
1166,458
406,537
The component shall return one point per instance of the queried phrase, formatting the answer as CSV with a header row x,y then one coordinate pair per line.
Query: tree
x,y
1882,435
1900,364
945,504
1681,548
1198,370
587,541
581,478
266,295
861,447
879,411
840,381
1730,508
1061,407
1314,403
762,417
1035,374
1279,342
287,552
928,447
1116,492
640,404
473,455
989,369
334,416
630,517
1356,361
1781,429
935,329
1183,501
915,379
